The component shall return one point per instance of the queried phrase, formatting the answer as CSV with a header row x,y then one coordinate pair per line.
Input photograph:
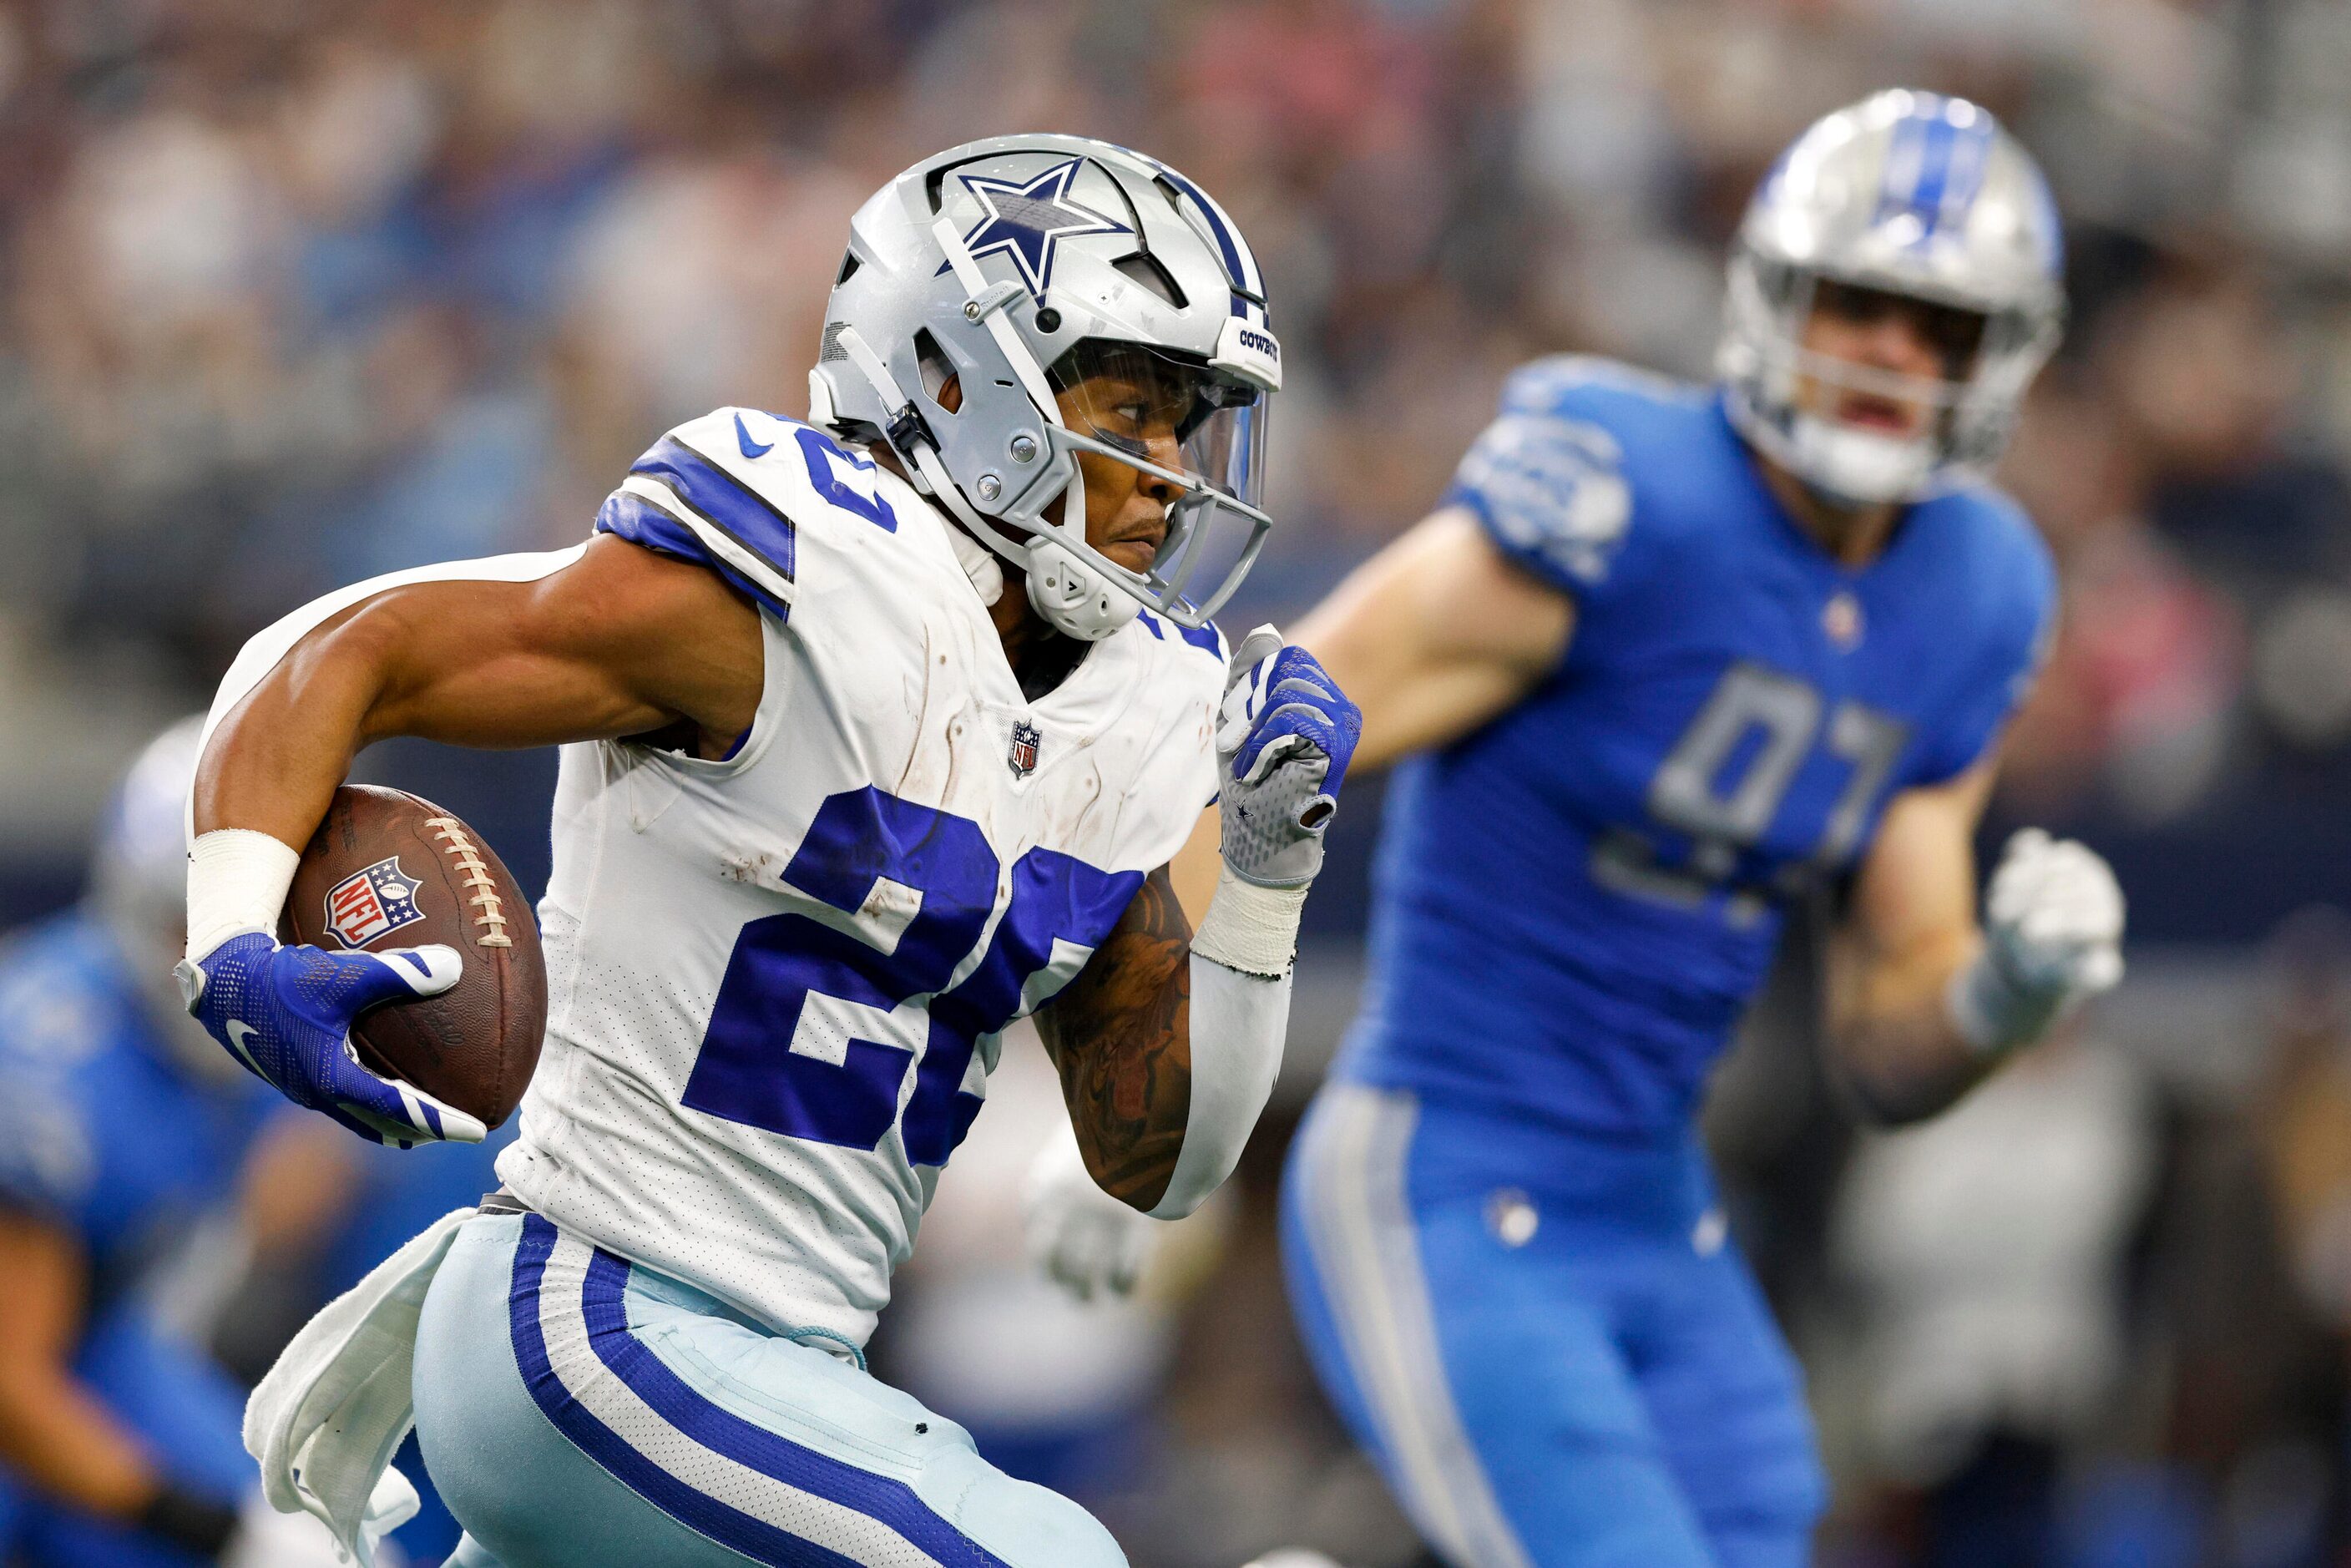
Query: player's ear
x,y
950,394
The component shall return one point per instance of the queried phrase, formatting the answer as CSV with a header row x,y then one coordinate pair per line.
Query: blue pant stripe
x,y
721,1430
730,1527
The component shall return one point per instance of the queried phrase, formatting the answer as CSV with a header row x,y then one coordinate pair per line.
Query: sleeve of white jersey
x,y
734,490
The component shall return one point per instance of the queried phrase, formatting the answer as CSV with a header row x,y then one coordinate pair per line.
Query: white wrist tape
x,y
1250,928
1993,1013
1238,1023
237,882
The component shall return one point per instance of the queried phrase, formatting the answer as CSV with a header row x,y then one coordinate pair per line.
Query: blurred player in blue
x,y
122,1133
140,1172
1666,661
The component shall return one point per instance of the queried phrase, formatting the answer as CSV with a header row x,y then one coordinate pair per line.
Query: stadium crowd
x,y
292,294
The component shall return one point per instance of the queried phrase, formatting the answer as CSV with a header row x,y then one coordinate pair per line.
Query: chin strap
x,y
930,475
986,573
1065,590
987,306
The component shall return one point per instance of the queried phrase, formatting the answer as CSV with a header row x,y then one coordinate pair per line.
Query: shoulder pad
x,y
2003,547
1552,490
1556,384
735,488
48,1156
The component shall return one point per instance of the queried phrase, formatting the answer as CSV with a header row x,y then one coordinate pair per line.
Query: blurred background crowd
x,y
294,293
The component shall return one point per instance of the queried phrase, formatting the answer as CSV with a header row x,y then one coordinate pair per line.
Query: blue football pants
x,y
1550,1346
575,1410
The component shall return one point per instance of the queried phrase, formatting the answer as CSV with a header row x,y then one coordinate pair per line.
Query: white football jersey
x,y
778,982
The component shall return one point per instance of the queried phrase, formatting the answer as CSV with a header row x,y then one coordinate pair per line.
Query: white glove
x,y
2053,939
1079,1237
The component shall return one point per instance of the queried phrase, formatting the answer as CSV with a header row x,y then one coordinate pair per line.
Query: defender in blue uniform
x,y
121,1133
1666,659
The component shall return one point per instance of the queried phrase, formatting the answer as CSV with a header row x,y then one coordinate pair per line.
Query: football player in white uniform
x,y
881,730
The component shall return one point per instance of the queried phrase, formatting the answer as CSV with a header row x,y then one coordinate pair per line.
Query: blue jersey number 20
x,y
920,882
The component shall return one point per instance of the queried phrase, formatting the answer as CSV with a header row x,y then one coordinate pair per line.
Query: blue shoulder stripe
x,y
679,502
639,521
732,507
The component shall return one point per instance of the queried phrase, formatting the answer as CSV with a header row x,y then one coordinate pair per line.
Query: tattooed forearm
x,y
1120,1034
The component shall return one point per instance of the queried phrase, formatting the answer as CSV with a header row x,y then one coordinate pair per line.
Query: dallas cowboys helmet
x,y
1027,266
1911,193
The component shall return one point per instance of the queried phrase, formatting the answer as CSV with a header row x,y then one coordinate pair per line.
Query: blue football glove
x,y
286,1012
1284,733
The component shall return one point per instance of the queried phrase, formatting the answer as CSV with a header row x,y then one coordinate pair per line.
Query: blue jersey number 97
x,y
1724,782
817,1020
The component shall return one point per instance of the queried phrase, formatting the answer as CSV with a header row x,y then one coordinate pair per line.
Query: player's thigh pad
x,y
574,1410
1500,1409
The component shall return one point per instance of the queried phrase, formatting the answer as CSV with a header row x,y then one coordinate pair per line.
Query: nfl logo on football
x,y
370,902
1025,737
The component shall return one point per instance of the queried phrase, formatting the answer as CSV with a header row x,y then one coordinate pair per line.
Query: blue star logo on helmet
x,y
1028,221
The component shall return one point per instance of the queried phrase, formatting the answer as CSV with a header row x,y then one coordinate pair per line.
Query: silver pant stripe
x,y
1360,1234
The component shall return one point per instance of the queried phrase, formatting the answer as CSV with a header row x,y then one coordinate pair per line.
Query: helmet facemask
x,y
1970,409
1192,434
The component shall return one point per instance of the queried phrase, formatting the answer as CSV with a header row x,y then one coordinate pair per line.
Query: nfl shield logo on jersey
x,y
1024,748
368,903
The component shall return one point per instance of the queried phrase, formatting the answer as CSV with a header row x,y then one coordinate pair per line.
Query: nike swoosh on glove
x,y
286,1014
2053,939
1284,734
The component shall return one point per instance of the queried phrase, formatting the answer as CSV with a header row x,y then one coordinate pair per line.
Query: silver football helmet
x,y
1032,268
139,888
1910,193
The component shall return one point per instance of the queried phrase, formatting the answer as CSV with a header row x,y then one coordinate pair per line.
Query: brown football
x,y
387,870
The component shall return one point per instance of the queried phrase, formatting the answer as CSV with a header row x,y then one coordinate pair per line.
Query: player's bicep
x,y
620,642
1123,987
1435,634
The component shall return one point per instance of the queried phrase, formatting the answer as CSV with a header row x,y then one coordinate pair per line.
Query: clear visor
x,y
1166,446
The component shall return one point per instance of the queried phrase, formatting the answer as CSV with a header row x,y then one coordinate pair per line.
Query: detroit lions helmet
x,y
1028,266
1915,195
138,887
